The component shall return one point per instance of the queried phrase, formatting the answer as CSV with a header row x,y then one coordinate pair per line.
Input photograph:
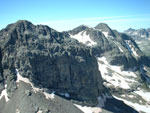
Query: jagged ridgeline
x,y
40,67
120,49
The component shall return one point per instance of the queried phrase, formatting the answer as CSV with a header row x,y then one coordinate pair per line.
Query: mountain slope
x,y
123,66
62,72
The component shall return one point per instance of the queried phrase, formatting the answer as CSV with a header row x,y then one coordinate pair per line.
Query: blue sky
x,y
67,14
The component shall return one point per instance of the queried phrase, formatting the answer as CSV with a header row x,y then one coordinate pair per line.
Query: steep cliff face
x,y
51,60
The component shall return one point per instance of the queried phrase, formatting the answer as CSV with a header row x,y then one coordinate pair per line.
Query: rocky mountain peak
x,y
24,24
104,28
130,30
79,29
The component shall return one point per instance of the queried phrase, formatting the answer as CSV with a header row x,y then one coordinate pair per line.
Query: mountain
x,y
141,37
139,33
123,66
81,70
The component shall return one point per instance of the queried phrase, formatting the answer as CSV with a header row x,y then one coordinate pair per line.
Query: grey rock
x,y
28,93
105,28
37,101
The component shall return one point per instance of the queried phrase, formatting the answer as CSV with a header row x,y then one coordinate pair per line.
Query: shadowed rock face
x,y
50,59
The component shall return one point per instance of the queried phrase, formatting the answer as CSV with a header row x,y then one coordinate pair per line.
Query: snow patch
x,y
35,89
86,109
138,107
135,33
145,95
4,93
17,111
120,49
130,48
26,80
84,38
118,78
49,96
143,36
118,46
105,34
40,111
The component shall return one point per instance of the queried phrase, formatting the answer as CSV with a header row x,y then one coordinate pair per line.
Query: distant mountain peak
x,y
102,26
105,28
138,33
23,21
131,29
83,27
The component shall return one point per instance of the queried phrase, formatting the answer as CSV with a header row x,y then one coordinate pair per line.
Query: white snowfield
x,y
124,80
119,78
138,107
35,89
105,34
84,38
131,48
40,111
4,93
86,109
144,94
